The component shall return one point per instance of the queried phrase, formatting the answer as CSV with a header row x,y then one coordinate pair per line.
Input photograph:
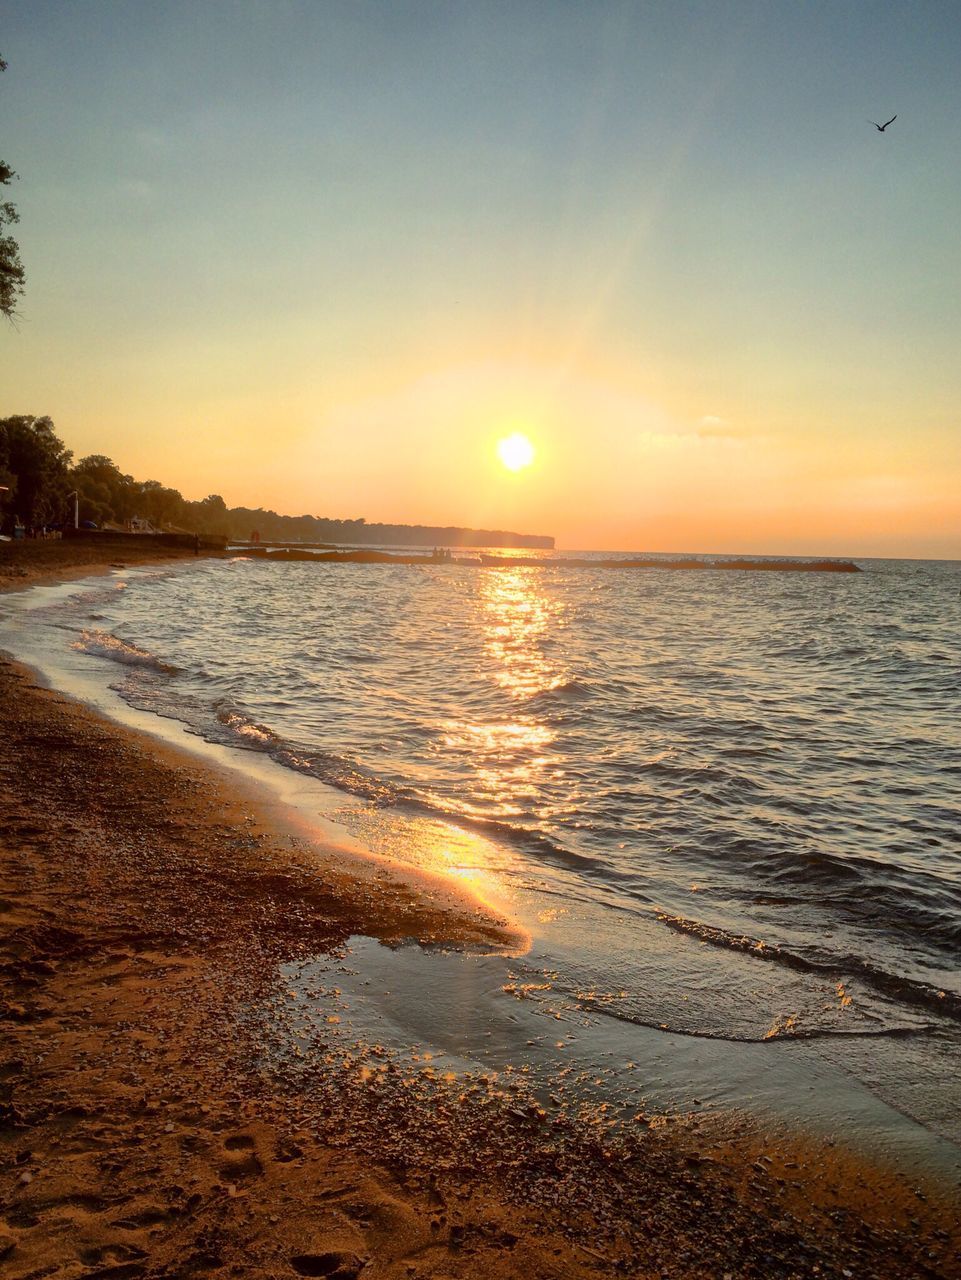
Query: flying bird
x,y
881,127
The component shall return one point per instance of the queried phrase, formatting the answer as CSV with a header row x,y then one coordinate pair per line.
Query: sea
x,y
724,806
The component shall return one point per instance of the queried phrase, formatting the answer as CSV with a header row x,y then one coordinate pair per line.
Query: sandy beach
x,y
150,1126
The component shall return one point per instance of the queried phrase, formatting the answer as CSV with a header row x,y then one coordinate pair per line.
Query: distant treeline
x,y
274,528
38,478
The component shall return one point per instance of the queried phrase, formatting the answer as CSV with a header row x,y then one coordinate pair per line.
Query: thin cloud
x,y
711,427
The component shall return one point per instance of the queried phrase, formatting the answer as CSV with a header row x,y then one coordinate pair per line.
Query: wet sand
x,y
27,563
154,1123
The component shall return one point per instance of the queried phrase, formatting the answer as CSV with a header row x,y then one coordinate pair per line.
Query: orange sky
x,y
322,261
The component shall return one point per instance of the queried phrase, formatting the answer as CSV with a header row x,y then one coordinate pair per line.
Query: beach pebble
x,y
25,1178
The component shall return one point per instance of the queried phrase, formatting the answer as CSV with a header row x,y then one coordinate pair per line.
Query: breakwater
x,y
357,556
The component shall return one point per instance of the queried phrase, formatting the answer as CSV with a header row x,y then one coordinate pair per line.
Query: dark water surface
x,y
728,807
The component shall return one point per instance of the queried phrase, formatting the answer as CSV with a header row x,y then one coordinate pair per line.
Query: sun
x,y
516,452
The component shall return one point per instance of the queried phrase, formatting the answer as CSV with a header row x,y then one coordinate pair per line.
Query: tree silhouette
x,y
12,274
33,467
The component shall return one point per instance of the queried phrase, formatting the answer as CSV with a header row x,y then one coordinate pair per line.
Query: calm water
x,y
728,805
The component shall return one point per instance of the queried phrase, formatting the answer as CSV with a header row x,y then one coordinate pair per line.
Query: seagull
x,y
881,127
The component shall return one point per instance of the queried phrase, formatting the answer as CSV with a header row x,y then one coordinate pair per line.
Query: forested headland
x,y
39,477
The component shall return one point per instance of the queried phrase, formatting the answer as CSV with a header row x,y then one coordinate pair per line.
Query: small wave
x,y
519,837
573,690
917,994
706,778
102,644
345,775
335,771
95,596
245,728
787,1027
913,900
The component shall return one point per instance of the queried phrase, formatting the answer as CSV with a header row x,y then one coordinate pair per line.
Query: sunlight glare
x,y
515,451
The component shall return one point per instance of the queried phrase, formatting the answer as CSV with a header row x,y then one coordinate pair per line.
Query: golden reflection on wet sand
x,y
466,860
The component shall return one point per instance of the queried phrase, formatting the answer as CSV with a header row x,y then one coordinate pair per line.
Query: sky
x,y
322,256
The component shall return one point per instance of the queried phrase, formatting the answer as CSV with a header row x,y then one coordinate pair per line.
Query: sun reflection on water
x,y
509,747
511,754
519,618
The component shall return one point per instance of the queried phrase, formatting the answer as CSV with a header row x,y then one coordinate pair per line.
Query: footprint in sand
x,y
242,1161
336,1265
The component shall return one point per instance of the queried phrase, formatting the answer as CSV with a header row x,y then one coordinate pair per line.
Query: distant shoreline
x,y
149,545
94,547
284,554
